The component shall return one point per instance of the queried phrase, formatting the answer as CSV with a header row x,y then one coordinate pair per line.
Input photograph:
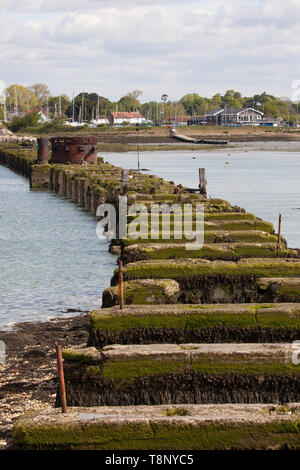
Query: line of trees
x,y
87,106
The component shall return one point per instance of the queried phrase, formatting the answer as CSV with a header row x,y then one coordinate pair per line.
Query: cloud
x,y
180,47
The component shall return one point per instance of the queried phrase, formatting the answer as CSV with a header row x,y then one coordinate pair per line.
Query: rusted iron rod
x,y
279,228
61,378
121,287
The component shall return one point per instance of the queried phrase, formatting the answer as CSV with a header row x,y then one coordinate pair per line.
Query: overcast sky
x,y
173,47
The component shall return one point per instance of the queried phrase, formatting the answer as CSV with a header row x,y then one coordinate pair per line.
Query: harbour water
x,y
266,183
51,262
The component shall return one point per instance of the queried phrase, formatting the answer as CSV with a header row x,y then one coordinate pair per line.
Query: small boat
x,y
227,163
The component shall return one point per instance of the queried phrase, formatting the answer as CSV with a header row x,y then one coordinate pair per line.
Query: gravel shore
x,y
28,378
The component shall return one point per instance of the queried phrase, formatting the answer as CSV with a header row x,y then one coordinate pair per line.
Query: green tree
x,y
130,101
42,93
55,102
233,99
194,104
20,99
215,102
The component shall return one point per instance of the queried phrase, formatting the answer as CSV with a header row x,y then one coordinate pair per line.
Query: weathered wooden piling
x,y
121,286
202,182
124,182
279,227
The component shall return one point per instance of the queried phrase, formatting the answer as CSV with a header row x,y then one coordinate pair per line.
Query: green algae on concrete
x,y
142,324
127,361
212,236
228,225
213,251
196,316
185,373
229,216
174,316
281,289
144,291
190,268
85,356
202,427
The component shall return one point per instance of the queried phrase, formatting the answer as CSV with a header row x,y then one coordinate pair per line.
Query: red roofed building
x,y
133,117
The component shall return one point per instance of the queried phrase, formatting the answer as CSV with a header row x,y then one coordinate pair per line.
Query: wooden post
x,y
61,378
124,182
121,287
138,157
202,182
279,228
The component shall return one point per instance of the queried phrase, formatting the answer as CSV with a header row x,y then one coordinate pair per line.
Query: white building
x,y
100,120
132,118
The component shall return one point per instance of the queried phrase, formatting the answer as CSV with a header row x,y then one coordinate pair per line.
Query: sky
x,y
172,47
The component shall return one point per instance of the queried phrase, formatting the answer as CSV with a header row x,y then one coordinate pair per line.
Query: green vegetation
x,y
155,435
270,105
212,252
22,123
142,292
128,369
184,269
250,236
197,317
225,225
229,216
175,411
117,147
183,320
242,364
88,106
82,356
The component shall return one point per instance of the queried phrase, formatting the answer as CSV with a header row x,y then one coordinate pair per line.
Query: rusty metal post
x,y
61,378
279,227
121,287
42,149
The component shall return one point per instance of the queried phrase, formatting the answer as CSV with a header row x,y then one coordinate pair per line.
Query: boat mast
x,y
73,107
16,101
59,103
4,107
98,108
82,108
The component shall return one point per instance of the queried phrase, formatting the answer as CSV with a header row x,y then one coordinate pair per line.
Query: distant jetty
x,y
184,138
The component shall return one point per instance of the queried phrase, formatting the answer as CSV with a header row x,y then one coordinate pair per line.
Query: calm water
x,y
51,261
266,183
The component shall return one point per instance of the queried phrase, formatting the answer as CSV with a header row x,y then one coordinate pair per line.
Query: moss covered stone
x,y
144,291
195,268
213,251
212,236
85,356
142,324
281,289
185,373
203,427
